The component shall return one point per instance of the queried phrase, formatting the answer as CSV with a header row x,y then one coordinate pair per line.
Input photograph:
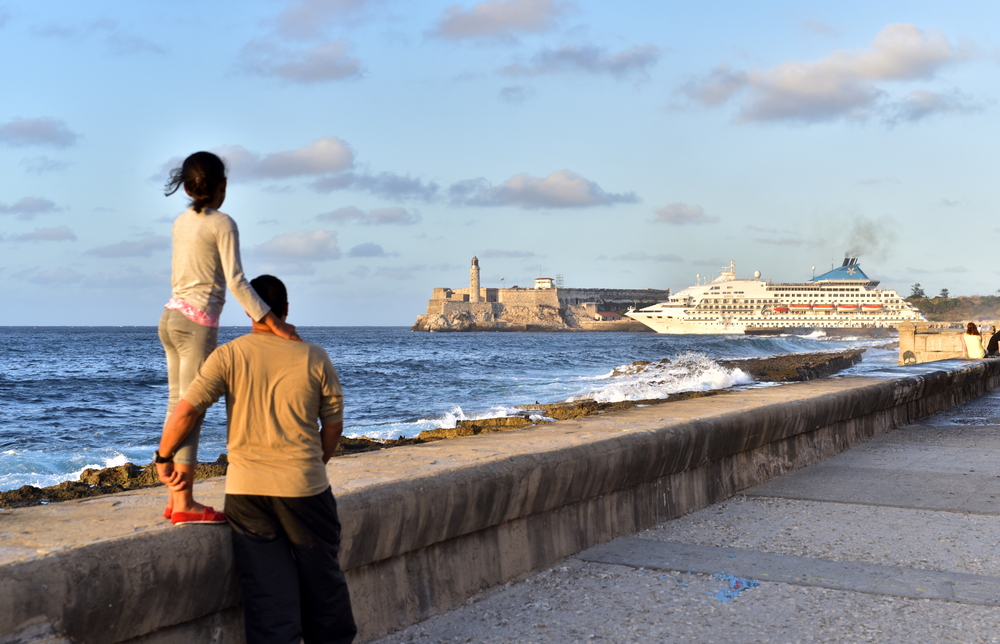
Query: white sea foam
x,y
448,420
686,372
115,460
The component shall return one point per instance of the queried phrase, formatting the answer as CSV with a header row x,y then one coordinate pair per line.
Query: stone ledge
x,y
425,527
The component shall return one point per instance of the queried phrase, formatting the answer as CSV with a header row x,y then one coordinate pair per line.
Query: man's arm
x,y
330,433
179,425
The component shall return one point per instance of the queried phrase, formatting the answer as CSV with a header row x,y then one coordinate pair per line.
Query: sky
x,y
375,146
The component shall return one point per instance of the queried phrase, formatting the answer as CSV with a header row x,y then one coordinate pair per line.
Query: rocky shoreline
x,y
782,368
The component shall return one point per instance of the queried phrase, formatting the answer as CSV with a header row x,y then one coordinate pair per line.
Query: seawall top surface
x,y
406,475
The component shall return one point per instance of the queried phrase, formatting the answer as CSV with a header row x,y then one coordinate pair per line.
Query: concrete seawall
x,y
426,527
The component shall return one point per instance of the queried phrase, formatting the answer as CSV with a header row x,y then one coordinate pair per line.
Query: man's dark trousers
x,y
286,554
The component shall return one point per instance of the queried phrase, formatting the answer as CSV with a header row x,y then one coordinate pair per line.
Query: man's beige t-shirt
x,y
275,391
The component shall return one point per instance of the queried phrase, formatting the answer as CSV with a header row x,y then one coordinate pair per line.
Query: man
x,y
286,535
993,346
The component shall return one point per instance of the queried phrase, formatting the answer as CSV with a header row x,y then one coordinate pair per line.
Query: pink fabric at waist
x,y
192,313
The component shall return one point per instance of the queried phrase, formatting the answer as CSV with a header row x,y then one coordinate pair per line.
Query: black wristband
x,y
162,459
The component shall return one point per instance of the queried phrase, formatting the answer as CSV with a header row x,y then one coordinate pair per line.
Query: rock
x,y
94,482
797,366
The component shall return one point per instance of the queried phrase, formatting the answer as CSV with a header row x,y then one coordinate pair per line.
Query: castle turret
x,y
474,295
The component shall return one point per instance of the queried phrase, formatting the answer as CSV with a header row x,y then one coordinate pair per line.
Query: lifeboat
x,y
800,307
781,309
871,308
850,308
823,307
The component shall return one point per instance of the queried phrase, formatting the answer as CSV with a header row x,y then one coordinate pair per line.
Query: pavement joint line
x,y
812,499
871,579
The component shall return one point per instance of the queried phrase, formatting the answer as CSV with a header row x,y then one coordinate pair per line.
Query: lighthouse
x,y
474,281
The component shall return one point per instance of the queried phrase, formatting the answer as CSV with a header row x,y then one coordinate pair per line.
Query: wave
x,y
645,381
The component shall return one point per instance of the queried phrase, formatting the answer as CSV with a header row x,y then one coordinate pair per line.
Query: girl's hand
x,y
170,477
281,328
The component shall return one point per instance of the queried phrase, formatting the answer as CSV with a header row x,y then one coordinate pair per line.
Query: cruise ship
x,y
843,298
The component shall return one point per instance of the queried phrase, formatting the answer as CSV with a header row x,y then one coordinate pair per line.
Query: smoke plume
x,y
870,238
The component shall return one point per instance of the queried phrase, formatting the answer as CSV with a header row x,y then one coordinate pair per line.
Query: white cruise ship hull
x,y
844,298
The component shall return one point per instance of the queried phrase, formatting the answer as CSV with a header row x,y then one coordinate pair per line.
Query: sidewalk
x,y
895,540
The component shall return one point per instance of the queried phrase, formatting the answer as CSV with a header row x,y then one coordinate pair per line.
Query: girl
x,y
973,342
206,259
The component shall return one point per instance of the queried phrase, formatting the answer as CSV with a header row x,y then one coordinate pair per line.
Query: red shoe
x,y
191,518
167,511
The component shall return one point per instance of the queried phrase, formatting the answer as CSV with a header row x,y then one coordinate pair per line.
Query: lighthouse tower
x,y
474,281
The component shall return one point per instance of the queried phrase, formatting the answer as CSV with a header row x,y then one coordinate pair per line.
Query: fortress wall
x,y
528,297
426,527
623,297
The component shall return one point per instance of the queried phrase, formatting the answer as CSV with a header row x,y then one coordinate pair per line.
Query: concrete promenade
x,y
893,540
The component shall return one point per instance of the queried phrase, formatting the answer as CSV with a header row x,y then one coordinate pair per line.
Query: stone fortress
x,y
546,307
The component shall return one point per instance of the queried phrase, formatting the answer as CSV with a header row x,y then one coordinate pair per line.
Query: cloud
x,y
717,87
132,277
589,59
303,246
645,257
844,84
784,241
513,254
383,184
369,249
43,164
920,104
680,214
120,41
28,207
560,189
328,61
323,156
515,93
142,248
398,272
949,203
499,19
19,132
818,27
761,229
308,18
379,216
59,233
51,277
361,272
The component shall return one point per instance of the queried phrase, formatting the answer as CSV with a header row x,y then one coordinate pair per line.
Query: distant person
x,y
286,534
993,346
206,258
973,342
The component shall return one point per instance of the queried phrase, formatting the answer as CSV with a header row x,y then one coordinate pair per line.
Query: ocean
x,y
79,397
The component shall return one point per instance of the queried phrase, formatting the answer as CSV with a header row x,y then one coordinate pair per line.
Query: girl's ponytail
x,y
201,174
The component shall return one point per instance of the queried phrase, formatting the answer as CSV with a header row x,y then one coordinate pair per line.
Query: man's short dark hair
x,y
272,291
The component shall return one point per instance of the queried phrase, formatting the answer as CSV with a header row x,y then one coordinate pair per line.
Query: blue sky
x,y
376,146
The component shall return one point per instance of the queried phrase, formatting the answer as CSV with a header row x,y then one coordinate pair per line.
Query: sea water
x,y
79,397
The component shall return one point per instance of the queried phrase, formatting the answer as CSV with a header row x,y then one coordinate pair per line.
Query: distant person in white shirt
x,y
973,342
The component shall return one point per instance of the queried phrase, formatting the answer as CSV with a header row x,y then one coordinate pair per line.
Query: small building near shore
x,y
544,282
